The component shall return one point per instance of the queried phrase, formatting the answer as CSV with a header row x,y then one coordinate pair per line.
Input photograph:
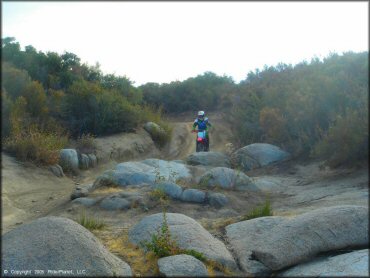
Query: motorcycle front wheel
x,y
200,147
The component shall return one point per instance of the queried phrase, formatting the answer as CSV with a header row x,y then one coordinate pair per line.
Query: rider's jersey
x,y
202,125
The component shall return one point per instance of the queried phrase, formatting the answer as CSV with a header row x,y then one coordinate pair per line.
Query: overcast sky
x,y
168,41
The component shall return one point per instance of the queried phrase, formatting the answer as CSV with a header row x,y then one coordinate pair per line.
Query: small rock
x,y
57,170
217,200
85,201
84,161
182,265
193,195
115,203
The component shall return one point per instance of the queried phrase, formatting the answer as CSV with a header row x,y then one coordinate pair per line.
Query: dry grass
x,y
141,263
90,222
108,189
218,224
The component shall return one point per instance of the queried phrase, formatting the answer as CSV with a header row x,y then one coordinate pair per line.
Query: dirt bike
x,y
201,141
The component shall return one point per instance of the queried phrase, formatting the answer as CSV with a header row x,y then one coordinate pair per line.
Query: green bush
x,y
88,108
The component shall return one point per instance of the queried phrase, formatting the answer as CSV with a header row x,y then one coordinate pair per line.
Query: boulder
x,y
182,265
149,171
257,155
306,235
217,200
227,178
188,234
57,170
352,264
115,202
269,184
153,129
168,170
214,159
193,196
246,236
68,160
171,189
56,243
93,161
88,202
84,162
81,192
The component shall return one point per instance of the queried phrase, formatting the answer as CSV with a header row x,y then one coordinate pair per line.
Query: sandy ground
x,y
30,192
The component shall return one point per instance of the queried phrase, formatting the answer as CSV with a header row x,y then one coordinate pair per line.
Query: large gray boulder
x,y
188,234
246,236
311,233
168,170
56,243
182,265
68,160
353,264
214,159
257,155
149,171
227,178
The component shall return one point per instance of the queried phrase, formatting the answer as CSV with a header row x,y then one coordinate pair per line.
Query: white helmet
x,y
201,114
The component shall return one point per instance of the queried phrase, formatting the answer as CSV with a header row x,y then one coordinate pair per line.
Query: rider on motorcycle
x,y
202,122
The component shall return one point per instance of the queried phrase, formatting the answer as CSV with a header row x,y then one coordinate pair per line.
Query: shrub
x,y
86,144
6,104
158,194
260,211
273,124
31,142
346,142
14,80
90,222
163,245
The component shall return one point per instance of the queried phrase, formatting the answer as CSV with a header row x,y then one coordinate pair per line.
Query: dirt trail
x,y
183,141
